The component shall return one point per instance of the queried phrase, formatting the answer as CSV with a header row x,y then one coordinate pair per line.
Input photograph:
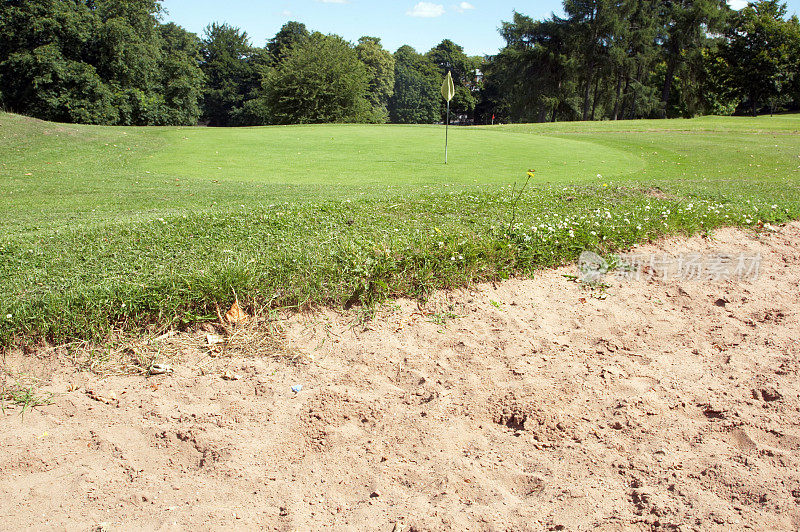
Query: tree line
x,y
116,62
625,59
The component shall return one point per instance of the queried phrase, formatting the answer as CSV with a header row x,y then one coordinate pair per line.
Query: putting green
x,y
396,155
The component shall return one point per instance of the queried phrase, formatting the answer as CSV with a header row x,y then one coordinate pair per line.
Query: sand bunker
x,y
529,405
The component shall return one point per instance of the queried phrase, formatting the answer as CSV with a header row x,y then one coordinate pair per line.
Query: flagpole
x,y
446,126
448,91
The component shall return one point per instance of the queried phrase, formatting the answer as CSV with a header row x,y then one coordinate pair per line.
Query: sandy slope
x,y
540,406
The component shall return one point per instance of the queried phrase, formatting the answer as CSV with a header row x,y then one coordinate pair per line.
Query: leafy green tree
x,y
319,80
380,71
290,34
762,53
720,98
416,89
448,56
253,111
181,77
128,55
128,42
43,73
232,74
44,84
96,61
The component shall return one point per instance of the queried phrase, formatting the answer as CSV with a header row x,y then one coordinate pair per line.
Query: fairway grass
x,y
123,228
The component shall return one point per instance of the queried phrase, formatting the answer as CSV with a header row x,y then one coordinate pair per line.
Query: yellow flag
x,y
448,89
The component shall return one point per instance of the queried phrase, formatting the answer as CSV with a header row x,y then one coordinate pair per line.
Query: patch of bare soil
x,y
530,405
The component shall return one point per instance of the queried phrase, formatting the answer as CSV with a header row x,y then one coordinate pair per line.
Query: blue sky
x,y
472,24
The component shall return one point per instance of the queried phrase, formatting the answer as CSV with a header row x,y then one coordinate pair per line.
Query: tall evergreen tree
x,y
633,53
594,25
535,73
687,25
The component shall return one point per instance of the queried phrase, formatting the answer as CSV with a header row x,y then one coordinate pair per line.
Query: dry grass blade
x,y
126,355
259,338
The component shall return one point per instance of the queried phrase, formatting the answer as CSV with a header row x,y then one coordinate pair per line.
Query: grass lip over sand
x,y
129,228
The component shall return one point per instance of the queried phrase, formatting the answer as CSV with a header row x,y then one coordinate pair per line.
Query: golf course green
x,y
122,227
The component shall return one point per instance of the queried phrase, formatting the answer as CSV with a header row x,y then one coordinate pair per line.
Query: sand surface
x,y
528,405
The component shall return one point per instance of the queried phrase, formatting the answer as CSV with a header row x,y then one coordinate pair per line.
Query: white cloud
x,y
333,1
426,10
464,6
737,4
286,13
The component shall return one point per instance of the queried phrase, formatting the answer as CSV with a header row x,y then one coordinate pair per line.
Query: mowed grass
x,y
87,174
128,228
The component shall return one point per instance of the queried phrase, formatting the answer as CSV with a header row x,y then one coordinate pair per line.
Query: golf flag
x,y
448,91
